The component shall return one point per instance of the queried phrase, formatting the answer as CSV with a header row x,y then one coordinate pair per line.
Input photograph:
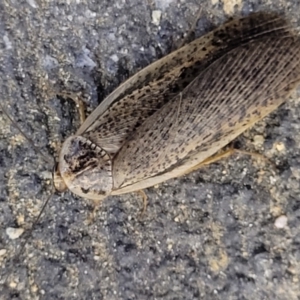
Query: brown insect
x,y
170,117
167,119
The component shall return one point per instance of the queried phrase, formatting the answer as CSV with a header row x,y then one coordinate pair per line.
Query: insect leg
x,y
80,105
145,202
96,204
226,153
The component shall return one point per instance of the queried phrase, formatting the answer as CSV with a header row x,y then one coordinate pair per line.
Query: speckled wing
x,y
231,94
124,110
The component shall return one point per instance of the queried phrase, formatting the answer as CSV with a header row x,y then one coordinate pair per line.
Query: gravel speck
x,y
281,222
14,233
156,15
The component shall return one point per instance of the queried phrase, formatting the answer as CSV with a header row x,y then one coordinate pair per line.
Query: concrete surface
x,y
227,231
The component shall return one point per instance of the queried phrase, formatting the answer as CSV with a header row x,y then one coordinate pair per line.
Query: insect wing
x,y
233,93
126,108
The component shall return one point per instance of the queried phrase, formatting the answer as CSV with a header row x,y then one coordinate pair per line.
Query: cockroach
x,y
173,115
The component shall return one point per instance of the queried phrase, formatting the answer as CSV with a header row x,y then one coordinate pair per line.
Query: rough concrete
x,y
209,235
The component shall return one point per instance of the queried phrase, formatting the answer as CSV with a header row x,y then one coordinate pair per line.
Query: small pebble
x,y
2,252
14,233
34,288
280,146
281,222
20,219
258,140
156,15
13,284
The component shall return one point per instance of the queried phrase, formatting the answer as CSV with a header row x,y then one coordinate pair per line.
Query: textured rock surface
x,y
209,235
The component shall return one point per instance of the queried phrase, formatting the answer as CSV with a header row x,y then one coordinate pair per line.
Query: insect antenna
x,y
34,223
15,259
46,159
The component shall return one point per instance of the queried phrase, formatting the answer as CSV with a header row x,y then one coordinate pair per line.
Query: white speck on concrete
x,y
156,15
14,233
280,147
258,140
2,252
114,58
281,222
